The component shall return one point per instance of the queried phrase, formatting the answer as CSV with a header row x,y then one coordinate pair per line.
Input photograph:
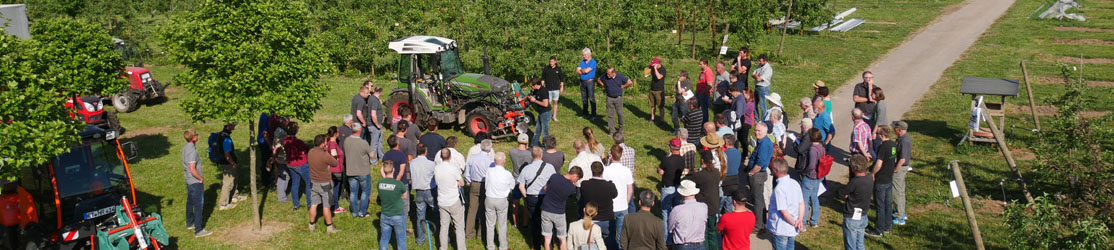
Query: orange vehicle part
x,y
57,200
127,169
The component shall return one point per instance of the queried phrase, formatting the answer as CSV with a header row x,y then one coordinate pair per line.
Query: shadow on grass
x,y
641,114
150,147
935,129
601,120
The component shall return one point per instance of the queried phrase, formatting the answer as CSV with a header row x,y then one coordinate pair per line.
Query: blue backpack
x,y
216,141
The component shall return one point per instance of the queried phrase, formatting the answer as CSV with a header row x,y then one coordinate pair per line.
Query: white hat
x,y
688,188
775,98
523,138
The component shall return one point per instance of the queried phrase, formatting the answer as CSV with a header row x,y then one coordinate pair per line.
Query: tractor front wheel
x,y
479,120
160,91
113,120
124,102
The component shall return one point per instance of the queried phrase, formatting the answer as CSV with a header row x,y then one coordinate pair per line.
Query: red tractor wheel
x,y
478,120
396,102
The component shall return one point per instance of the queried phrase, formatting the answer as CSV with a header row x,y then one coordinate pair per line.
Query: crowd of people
x,y
724,127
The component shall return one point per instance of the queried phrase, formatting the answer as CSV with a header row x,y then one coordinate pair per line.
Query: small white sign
x,y
724,38
723,50
955,189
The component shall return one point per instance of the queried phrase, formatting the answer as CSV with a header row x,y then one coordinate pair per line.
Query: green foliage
x,y
34,125
811,13
1071,155
1042,225
246,57
78,57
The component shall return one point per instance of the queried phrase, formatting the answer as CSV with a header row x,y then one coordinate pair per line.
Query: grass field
x,y
829,57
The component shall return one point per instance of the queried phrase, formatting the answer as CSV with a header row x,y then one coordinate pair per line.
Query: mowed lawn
x,y
832,57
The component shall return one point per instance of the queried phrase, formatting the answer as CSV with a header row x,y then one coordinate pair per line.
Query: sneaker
x,y
190,227
332,230
203,233
814,225
899,222
904,217
910,168
227,207
874,233
339,210
312,228
239,198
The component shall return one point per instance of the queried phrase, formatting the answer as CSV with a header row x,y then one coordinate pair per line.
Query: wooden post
x,y
1029,90
788,13
257,222
693,33
954,165
1001,139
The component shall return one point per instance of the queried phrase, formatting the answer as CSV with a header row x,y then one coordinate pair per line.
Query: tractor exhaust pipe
x,y
487,64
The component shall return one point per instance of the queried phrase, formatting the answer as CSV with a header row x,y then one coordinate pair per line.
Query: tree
x,y
78,57
34,125
247,57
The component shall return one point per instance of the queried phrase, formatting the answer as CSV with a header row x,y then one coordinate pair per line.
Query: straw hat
x,y
775,98
688,188
711,141
818,84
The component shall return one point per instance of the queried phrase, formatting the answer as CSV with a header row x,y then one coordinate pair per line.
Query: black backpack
x,y
216,147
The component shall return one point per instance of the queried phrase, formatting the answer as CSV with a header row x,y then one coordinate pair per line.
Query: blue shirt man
x,y
762,154
823,122
590,65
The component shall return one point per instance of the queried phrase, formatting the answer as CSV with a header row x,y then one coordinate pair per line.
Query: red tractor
x,y
141,85
90,110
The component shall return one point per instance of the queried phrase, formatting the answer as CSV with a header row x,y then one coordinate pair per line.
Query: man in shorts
x,y
322,182
558,189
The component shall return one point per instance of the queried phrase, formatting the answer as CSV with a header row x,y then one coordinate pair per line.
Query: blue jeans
x,y
195,204
784,242
882,220
689,247
338,180
760,94
389,225
668,200
375,140
605,232
359,188
810,188
588,97
298,174
423,199
533,206
617,229
853,233
542,128
703,99
679,110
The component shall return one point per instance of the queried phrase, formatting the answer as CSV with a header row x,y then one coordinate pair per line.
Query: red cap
x,y
655,61
675,143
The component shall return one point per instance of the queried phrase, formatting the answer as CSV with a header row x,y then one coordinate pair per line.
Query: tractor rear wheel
x,y
479,120
396,102
113,121
124,102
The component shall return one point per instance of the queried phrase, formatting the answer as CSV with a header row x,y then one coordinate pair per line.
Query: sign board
x,y
723,50
955,189
17,25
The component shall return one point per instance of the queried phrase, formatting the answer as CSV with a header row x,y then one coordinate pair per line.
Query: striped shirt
x,y
861,137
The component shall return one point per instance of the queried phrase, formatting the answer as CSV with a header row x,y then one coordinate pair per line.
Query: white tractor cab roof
x,y
422,45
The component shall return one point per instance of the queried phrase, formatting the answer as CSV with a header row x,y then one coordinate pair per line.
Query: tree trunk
x,y
256,219
788,12
693,42
680,24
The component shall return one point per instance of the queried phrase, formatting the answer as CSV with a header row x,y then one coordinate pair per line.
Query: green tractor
x,y
432,83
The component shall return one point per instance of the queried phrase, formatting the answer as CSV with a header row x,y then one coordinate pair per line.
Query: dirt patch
x,y
172,89
1093,114
244,236
1041,110
1051,110
990,206
1065,59
146,131
1100,84
1082,29
1058,80
1082,41
927,208
1023,154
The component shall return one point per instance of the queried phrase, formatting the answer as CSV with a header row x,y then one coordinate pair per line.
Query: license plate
x,y
99,212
